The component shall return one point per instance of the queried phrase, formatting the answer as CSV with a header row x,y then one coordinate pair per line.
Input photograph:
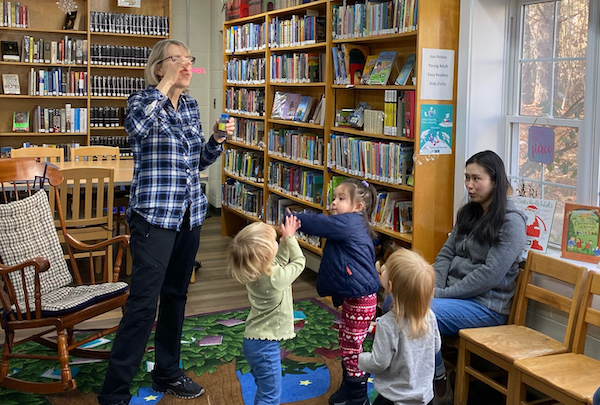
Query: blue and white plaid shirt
x,y
169,151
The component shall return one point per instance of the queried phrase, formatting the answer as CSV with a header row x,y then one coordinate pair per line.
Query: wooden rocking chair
x,y
37,290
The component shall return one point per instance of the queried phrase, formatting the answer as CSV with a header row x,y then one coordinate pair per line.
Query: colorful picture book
x,y
406,70
291,105
355,57
383,68
581,233
369,65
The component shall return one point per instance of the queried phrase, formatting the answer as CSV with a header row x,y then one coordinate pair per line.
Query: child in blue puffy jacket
x,y
348,274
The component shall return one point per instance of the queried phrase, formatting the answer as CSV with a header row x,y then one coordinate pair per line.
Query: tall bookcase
x,y
46,21
432,192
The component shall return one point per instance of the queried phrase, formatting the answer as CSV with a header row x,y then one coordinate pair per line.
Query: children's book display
x,y
540,215
581,226
406,70
383,68
369,65
296,107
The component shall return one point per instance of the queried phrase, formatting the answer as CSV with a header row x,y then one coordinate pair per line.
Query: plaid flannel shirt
x,y
169,151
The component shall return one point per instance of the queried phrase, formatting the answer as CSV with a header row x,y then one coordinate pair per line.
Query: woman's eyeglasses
x,y
175,58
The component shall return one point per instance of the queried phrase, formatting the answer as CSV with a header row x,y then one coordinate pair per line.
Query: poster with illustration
x,y
436,129
540,214
580,233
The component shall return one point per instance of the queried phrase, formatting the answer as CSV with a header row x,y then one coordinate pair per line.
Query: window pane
x,y
569,88
535,88
527,168
571,28
561,196
538,31
564,168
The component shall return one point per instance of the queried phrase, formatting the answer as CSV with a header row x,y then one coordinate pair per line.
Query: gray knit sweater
x,y
468,269
403,368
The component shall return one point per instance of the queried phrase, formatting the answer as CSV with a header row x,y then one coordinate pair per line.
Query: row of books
x,y
245,101
6,151
248,131
57,82
297,30
294,106
14,14
275,215
297,145
387,162
107,117
121,141
363,117
116,55
374,18
120,23
246,71
393,210
116,86
246,37
296,181
68,51
244,164
297,68
243,197
399,113
60,120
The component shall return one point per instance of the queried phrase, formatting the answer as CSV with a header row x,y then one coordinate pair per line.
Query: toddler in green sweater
x,y
268,271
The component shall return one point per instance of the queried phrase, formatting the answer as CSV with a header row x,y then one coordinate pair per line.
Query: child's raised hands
x,y
289,226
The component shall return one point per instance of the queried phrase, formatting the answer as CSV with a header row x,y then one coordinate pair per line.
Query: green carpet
x,y
309,357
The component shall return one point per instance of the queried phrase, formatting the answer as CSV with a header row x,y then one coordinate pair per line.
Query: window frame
x,y
588,151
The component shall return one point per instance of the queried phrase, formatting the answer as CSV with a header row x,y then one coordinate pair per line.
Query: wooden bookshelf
x,y
46,21
432,192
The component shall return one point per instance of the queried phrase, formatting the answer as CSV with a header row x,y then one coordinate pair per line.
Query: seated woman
x,y
477,267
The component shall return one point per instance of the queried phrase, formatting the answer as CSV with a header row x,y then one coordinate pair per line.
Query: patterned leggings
x,y
357,314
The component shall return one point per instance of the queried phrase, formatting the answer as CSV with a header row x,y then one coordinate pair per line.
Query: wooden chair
x,y
503,345
89,153
37,289
87,198
569,378
43,153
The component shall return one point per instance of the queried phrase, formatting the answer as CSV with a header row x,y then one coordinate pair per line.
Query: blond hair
x,y
156,56
251,252
413,283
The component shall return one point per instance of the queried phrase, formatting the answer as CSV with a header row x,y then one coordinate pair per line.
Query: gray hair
x,y
158,54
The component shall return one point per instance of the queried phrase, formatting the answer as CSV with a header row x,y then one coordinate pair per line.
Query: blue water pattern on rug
x,y
296,387
146,396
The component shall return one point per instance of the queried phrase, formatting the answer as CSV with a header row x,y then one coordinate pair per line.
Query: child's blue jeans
x,y
265,362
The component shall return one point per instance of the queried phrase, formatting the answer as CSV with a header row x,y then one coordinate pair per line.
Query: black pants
x,y
162,266
382,401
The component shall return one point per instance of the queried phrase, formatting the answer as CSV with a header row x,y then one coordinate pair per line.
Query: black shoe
x,y
122,402
181,387
340,397
357,390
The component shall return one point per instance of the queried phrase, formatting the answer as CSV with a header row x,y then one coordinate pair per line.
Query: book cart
x,y
250,198
46,21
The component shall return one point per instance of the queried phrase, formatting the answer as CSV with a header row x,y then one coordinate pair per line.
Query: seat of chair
x,y
69,299
523,343
567,377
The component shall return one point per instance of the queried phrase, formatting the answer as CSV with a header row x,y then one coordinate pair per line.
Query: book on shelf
x,y
10,83
368,68
357,117
355,57
10,51
383,68
404,217
342,117
406,70
70,20
20,121
291,105
304,108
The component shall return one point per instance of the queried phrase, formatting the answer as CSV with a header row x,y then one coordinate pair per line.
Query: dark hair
x,y
361,191
470,218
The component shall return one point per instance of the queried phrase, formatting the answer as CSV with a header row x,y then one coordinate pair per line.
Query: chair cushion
x,y
513,342
573,374
69,299
26,231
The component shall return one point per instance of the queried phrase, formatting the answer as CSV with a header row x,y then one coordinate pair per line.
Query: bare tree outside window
x,y
550,92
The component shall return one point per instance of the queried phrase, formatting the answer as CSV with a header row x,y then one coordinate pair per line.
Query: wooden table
x,y
123,168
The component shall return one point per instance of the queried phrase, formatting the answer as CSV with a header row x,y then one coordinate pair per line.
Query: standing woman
x,y
166,210
477,267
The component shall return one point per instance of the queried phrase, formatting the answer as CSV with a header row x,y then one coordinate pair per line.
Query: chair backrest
x,y
21,175
557,269
95,153
43,153
587,314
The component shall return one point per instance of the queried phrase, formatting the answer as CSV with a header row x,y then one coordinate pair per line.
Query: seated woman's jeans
x,y
455,314
596,400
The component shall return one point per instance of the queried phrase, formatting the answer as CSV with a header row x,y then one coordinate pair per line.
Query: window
x,y
548,88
